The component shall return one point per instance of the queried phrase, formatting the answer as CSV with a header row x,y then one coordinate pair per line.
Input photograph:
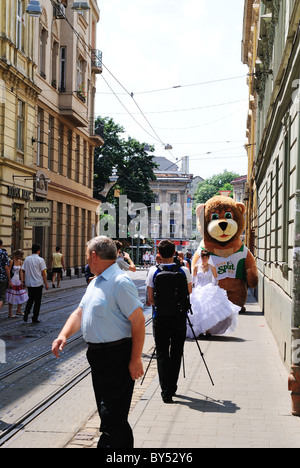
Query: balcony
x,y
96,58
73,109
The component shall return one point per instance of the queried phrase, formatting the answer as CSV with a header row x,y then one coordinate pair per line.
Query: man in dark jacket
x,y
4,273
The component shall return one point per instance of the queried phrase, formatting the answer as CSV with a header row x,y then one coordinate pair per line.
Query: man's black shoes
x,y
25,319
168,400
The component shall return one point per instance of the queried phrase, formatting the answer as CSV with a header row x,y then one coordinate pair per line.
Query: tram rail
x,y
48,299
34,359
22,421
34,412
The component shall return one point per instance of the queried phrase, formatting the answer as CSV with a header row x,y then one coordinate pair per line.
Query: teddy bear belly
x,y
236,290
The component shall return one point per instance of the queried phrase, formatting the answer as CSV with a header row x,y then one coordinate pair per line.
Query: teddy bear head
x,y
221,221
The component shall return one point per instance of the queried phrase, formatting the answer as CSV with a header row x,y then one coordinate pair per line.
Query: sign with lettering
x,y
39,222
39,209
17,192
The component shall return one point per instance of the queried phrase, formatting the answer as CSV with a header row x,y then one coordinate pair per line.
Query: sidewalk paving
x,y
249,405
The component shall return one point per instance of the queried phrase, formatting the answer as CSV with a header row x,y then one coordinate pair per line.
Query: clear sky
x,y
181,59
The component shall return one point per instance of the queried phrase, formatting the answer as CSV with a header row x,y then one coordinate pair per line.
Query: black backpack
x,y
171,294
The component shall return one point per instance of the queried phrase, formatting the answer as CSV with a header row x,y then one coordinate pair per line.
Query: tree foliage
x,y
210,187
127,161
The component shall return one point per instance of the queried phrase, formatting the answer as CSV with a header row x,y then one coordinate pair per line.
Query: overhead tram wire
x,y
132,96
209,155
209,106
136,121
87,47
184,86
131,115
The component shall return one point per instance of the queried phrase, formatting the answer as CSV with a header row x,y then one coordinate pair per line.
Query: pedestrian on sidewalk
x,y
169,322
89,276
15,293
123,259
4,274
34,270
111,317
58,266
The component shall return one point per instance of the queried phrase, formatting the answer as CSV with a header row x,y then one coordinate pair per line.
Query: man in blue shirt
x,y
111,317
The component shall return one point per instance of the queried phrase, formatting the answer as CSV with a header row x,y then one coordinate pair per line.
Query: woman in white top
x,y
16,294
213,313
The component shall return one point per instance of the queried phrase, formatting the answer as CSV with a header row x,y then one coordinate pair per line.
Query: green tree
x,y
211,187
126,160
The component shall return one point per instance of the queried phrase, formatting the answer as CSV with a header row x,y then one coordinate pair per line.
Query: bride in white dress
x,y
213,313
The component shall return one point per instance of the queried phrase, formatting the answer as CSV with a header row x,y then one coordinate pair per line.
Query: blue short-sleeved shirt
x,y
108,302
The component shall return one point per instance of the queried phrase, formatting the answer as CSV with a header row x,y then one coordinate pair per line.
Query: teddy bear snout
x,y
223,225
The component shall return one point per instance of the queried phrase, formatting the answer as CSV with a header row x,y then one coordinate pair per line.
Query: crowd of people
x,y
185,304
22,281
111,318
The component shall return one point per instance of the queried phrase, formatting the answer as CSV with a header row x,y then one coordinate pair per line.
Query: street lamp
x,y
34,8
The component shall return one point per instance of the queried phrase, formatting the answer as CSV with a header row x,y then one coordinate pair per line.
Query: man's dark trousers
x,y
34,297
169,334
113,387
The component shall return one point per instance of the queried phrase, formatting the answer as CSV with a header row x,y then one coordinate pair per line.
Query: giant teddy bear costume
x,y
221,222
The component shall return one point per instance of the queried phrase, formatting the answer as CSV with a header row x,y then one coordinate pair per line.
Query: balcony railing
x,y
96,129
96,57
96,132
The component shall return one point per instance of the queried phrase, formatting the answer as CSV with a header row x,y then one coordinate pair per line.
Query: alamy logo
x,y
2,352
158,219
296,351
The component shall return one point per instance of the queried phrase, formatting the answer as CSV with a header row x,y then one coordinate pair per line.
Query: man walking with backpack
x,y
169,286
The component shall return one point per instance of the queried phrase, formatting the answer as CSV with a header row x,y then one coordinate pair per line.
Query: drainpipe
x,y
294,377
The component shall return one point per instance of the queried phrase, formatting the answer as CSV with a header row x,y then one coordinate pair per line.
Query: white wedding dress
x,y
212,310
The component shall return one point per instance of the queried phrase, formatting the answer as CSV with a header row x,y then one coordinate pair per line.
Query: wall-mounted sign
x,y
39,222
39,209
17,192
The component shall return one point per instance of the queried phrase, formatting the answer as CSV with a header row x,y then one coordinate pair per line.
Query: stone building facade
x,y
271,49
56,64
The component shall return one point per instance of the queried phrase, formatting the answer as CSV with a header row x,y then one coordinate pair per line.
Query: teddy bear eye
x,y
214,216
228,215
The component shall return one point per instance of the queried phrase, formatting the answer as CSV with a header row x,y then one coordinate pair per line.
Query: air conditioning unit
x,y
59,11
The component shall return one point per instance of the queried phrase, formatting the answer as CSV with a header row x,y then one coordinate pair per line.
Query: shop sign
x,y
17,192
39,222
39,209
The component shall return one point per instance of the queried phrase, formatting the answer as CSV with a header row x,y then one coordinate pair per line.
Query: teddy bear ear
x,y
241,207
200,218
199,209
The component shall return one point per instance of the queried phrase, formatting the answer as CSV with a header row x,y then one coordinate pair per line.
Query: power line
x,y
184,110
158,139
131,114
183,86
